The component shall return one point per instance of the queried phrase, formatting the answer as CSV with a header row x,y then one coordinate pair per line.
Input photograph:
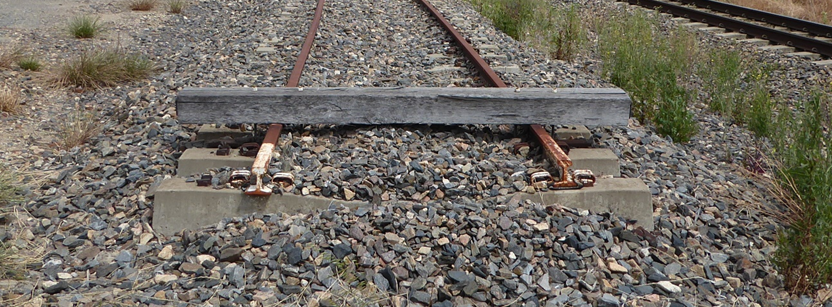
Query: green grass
x,y
104,68
85,27
29,63
759,105
176,6
8,186
556,29
649,65
804,153
722,75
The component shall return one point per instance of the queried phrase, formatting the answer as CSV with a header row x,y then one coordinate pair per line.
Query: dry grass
x,y
9,100
176,6
104,68
141,5
78,128
9,56
813,10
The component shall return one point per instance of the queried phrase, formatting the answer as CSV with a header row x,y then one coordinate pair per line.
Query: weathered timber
x,y
412,105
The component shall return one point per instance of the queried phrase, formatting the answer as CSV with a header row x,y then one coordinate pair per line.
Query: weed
x,y
29,63
104,68
176,6
8,187
141,5
674,119
77,129
760,107
647,64
805,174
570,36
510,16
9,101
555,28
721,76
85,27
10,267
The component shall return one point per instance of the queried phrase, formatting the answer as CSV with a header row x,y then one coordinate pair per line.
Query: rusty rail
x,y
553,152
264,154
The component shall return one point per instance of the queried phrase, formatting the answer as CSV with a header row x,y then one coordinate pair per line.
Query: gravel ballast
x,y
446,227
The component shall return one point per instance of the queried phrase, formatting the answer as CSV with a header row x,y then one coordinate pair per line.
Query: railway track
x,y
561,173
782,30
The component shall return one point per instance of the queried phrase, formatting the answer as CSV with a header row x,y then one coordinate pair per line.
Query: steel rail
x,y
264,155
482,66
780,37
553,152
810,27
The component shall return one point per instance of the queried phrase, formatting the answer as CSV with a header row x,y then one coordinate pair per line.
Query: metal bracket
x,y
204,180
239,178
249,149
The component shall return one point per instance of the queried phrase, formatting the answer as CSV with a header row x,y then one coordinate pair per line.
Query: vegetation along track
x,y
815,38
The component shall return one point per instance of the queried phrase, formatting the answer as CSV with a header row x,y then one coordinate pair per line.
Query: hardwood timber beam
x,y
408,105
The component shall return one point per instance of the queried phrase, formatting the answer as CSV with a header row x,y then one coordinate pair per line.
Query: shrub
x,y
176,6
104,68
85,27
141,5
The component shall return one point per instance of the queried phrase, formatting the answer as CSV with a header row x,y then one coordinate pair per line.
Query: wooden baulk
x,y
404,105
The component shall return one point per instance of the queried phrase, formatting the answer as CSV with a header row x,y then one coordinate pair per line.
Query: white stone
x,y
669,286
166,253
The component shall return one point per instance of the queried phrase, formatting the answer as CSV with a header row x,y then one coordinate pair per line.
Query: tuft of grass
x,y
9,101
10,258
804,153
29,63
141,5
9,187
85,26
176,6
9,56
78,128
104,68
648,64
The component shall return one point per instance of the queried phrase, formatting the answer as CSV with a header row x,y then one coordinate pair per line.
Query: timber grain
x,y
410,105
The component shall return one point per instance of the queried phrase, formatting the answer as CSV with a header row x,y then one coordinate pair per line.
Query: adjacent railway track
x,y
712,13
